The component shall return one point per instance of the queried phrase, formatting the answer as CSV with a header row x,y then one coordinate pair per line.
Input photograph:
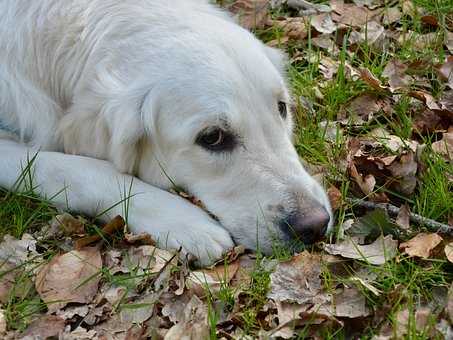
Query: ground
x,y
372,86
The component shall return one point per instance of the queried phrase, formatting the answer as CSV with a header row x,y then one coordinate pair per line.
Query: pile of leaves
x,y
373,98
86,289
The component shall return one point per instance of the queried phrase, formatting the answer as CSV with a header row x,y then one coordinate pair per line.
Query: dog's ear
x,y
106,126
278,58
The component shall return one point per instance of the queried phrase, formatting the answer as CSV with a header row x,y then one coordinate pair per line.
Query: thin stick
x,y
393,211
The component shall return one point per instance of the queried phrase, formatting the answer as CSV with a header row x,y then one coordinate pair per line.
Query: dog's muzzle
x,y
309,225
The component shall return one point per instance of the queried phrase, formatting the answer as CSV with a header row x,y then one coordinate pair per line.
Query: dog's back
x,y
50,49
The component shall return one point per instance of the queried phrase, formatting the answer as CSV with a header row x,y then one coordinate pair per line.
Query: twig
x,y
393,211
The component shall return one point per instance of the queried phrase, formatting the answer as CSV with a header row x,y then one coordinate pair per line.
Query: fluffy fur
x,y
127,86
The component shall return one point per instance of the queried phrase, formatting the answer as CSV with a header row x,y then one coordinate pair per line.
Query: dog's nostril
x,y
309,227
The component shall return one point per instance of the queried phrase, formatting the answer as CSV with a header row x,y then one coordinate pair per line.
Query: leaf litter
x,y
130,289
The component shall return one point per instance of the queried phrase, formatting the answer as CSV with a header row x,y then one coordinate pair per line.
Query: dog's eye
x,y
282,109
216,140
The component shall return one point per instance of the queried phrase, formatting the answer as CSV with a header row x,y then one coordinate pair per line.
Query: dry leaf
x,y
378,252
293,28
391,15
371,80
212,278
2,322
251,13
335,197
297,280
45,327
421,245
328,67
350,303
404,170
323,23
449,251
355,16
445,71
395,71
421,318
366,183
68,224
372,33
403,218
325,41
18,252
444,147
288,313
448,41
194,322
71,277
449,307
141,238
363,108
114,225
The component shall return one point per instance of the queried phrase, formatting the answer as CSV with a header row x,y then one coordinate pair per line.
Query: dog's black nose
x,y
309,226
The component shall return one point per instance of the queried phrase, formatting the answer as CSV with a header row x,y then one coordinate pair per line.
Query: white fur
x,y
133,82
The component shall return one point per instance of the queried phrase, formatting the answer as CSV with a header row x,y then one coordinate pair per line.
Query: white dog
x,y
170,92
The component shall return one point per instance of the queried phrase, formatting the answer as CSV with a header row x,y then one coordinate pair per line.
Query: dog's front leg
x,y
92,186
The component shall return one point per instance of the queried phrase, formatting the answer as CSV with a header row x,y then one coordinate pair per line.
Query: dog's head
x,y
215,119
222,128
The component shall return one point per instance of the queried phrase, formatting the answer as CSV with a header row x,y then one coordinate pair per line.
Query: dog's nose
x,y
309,226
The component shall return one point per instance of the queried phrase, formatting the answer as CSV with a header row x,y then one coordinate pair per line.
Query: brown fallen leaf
x,y
448,41
427,121
449,307
116,224
213,278
370,79
18,252
403,218
251,14
403,317
449,251
71,277
193,324
444,147
366,183
363,108
325,41
47,326
445,71
391,15
404,171
353,15
421,245
426,98
297,280
288,315
395,71
372,33
293,28
350,303
430,20
142,238
68,224
378,252
328,67
2,322
323,23
335,197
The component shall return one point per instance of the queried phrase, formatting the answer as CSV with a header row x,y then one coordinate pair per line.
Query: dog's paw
x,y
191,228
207,242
